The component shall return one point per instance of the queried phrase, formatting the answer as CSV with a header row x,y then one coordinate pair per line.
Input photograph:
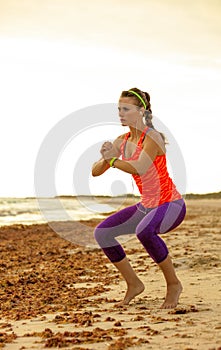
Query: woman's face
x,y
128,111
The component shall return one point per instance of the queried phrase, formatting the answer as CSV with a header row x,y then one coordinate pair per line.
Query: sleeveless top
x,y
155,186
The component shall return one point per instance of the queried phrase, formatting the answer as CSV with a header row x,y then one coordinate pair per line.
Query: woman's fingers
x,y
107,150
107,146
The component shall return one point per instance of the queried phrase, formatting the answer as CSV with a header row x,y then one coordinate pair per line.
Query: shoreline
x,y
190,195
109,204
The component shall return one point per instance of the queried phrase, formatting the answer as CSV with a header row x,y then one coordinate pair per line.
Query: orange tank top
x,y
155,186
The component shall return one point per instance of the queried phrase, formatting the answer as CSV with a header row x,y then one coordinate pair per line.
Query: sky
x,y
61,56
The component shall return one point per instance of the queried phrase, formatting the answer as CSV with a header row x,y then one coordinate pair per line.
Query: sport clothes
x,y
146,223
161,209
155,186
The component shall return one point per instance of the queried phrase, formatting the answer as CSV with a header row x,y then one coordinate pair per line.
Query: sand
x,y
55,294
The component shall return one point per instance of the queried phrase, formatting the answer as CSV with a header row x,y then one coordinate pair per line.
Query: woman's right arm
x,y
101,165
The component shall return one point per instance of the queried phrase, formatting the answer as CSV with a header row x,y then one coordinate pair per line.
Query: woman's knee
x,y
105,236
99,234
96,233
144,233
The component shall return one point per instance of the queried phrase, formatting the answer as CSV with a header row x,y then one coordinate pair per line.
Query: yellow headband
x,y
140,98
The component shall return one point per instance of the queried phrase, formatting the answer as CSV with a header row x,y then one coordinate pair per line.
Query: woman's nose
x,y
120,113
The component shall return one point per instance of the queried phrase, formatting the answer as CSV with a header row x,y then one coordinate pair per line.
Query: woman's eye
x,y
125,109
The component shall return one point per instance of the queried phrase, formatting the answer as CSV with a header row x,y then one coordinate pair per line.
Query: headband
x,y
140,98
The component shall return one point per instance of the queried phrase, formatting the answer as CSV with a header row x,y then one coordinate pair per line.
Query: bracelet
x,y
112,162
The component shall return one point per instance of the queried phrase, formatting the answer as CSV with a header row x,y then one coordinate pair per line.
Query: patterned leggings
x,y
147,223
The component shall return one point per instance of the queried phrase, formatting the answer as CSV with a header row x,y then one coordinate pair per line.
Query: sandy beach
x,y
56,294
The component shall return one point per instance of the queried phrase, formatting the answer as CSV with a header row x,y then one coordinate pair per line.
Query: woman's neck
x,y
135,133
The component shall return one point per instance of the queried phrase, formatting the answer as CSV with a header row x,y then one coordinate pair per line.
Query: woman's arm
x,y
102,165
151,149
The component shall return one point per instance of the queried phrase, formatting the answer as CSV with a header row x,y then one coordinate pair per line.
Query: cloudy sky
x,y
59,56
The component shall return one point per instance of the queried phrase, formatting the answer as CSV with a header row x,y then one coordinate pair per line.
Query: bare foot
x,y
172,296
132,292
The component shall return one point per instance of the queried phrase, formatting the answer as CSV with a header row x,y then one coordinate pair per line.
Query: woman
x,y
161,208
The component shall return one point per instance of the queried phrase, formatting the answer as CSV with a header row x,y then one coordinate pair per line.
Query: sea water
x,y
41,210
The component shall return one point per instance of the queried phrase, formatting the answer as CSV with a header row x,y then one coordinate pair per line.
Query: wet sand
x,y
57,294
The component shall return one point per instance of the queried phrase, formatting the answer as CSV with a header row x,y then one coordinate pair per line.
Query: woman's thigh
x,y
163,218
124,221
173,217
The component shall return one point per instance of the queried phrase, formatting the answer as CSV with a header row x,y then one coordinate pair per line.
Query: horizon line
x,y
131,195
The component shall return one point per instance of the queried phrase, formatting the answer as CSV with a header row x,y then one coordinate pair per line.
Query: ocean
x,y
41,210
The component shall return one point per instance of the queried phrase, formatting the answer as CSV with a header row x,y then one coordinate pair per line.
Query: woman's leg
x,y
134,285
122,222
174,286
161,220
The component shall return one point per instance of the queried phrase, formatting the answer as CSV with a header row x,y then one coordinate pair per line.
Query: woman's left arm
x,y
140,166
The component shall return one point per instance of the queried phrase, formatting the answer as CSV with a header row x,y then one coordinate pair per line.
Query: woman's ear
x,y
142,110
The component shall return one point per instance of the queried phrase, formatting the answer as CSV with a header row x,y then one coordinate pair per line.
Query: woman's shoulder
x,y
156,137
122,137
153,133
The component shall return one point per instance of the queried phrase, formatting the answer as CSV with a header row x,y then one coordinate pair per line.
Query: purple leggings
x,y
147,223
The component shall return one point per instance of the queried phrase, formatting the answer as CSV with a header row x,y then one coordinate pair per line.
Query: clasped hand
x,y
108,151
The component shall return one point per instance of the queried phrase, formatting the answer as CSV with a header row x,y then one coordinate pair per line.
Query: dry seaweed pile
x,y
97,335
38,272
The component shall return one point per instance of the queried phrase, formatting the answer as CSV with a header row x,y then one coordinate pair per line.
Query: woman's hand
x,y
108,151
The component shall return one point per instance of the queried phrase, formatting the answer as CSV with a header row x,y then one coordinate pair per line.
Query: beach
x,y
58,294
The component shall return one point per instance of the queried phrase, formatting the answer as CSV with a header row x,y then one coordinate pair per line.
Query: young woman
x,y
161,209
